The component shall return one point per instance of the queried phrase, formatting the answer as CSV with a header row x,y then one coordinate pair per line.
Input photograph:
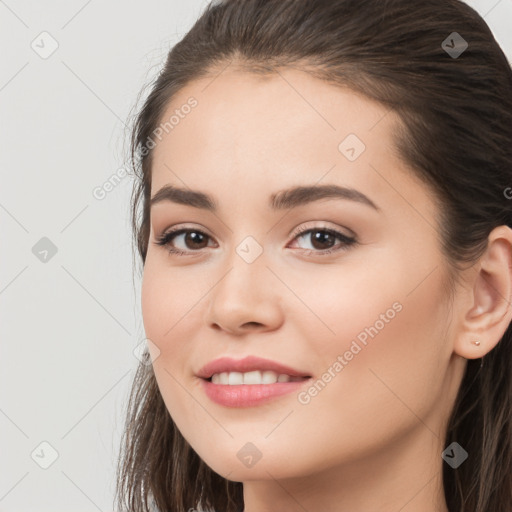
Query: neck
x,y
406,477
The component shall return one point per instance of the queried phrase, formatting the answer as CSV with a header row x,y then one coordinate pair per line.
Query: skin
x,y
372,438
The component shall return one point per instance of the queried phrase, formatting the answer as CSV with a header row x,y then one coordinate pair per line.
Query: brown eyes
x,y
322,240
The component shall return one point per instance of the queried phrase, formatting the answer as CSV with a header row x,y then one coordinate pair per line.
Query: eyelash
x,y
165,239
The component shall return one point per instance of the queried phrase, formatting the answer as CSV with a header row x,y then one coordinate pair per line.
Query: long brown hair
x,y
456,135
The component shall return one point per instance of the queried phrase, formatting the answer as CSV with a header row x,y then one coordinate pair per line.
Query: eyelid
x,y
301,229
180,227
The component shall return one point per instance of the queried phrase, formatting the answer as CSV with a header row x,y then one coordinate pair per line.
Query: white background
x,y
69,325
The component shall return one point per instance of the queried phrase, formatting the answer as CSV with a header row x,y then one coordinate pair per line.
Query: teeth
x,y
235,378
254,377
269,377
251,377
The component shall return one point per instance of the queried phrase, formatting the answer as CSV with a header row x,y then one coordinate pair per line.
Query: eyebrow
x,y
285,199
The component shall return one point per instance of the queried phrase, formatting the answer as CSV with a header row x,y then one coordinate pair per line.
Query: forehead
x,y
286,112
250,133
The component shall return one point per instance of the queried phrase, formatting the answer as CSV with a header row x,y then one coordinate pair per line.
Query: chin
x,y
241,461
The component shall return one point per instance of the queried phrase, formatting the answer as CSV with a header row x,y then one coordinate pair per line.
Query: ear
x,y
488,309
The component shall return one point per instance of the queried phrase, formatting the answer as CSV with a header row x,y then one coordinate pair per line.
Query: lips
x,y
248,364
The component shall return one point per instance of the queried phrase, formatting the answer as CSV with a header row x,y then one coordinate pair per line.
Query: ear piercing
x,y
477,343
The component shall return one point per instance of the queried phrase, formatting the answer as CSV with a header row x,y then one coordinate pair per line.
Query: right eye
x,y
192,237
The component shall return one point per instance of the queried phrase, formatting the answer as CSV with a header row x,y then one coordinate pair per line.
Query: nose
x,y
246,299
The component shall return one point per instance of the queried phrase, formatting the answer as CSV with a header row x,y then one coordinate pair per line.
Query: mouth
x,y
249,382
239,394
255,377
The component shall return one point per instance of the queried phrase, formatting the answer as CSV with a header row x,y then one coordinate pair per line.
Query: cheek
x,y
171,311
160,305
335,305
153,305
166,300
387,325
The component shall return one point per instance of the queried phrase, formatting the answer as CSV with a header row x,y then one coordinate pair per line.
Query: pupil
x,y
193,237
322,237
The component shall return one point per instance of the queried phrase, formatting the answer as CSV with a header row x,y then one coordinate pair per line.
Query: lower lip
x,y
248,395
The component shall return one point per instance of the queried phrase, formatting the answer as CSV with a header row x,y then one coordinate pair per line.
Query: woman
x,y
325,231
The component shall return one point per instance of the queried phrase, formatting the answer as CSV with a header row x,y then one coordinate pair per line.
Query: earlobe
x,y
485,322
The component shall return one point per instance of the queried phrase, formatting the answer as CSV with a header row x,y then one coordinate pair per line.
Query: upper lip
x,y
247,364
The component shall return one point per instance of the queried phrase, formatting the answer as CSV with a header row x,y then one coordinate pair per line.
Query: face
x,y
346,288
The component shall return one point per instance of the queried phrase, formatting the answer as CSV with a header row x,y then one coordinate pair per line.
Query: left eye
x,y
323,236
199,240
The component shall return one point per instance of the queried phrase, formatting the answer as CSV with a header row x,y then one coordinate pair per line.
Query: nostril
x,y
251,324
